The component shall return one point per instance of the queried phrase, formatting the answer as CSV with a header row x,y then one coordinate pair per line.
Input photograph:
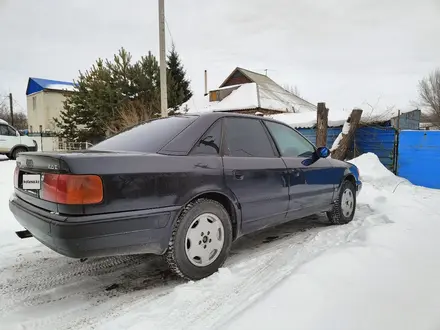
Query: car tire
x,y
344,206
17,151
201,240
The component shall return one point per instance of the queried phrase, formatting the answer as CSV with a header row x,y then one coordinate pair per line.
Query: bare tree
x,y
133,113
292,89
429,90
20,119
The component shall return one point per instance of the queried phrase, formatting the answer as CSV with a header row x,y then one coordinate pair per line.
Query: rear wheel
x,y
16,152
344,206
201,240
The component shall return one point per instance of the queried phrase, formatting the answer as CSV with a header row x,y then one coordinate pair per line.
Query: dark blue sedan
x,y
184,187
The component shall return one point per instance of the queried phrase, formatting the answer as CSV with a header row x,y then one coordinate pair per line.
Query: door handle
x,y
238,175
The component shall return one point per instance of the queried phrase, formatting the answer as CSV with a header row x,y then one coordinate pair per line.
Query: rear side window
x,y
148,137
209,144
246,138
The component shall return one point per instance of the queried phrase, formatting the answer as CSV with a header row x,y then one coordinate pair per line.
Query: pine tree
x,y
178,85
113,93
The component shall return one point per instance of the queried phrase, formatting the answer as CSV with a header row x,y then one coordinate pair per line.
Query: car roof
x,y
219,114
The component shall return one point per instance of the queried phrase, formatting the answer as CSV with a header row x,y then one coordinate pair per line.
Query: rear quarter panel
x,y
138,182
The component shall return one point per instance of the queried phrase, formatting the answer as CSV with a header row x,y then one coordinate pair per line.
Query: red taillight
x,y
72,189
17,170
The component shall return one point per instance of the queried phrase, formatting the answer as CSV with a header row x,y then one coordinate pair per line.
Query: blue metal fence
x,y
419,157
378,140
310,133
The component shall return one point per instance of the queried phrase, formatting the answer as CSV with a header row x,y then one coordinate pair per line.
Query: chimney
x,y
206,82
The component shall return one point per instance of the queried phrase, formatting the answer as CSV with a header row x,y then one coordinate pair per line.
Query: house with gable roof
x,y
249,92
45,100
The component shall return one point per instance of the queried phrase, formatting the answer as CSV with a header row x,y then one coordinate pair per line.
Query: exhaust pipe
x,y
24,234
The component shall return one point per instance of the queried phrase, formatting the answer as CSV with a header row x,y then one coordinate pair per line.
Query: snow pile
x,y
373,172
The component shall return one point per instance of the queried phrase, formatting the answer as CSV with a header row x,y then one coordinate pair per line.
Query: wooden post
x,y
345,138
321,125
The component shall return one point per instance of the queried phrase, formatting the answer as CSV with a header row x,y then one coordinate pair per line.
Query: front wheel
x,y
200,241
344,206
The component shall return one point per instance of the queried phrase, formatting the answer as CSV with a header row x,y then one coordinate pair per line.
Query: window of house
x,y
209,144
34,103
290,143
247,138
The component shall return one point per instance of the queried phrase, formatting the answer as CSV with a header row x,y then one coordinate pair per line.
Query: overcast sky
x,y
342,52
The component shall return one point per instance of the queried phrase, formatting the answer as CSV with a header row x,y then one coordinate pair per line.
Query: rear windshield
x,y
147,137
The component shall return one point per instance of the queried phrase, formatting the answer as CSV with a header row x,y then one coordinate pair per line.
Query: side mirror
x,y
323,152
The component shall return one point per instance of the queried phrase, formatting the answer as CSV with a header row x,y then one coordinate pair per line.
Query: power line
x,y
3,101
169,31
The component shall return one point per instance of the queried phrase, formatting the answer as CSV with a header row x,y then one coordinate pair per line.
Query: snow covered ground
x,y
379,272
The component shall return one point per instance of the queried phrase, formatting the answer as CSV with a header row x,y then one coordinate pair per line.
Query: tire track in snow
x,y
211,302
58,292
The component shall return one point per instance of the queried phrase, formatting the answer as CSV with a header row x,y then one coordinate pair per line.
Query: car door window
x,y
4,130
209,144
247,138
290,143
11,131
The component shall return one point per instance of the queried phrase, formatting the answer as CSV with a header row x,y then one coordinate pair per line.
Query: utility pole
x,y
11,107
163,65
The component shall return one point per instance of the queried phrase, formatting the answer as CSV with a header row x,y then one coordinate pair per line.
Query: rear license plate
x,y
31,181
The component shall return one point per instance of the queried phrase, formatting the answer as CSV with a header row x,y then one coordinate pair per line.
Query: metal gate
x,y
419,157
380,141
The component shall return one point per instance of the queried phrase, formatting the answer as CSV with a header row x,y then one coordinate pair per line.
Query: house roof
x,y
268,94
36,85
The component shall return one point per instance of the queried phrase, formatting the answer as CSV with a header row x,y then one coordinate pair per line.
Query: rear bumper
x,y
134,232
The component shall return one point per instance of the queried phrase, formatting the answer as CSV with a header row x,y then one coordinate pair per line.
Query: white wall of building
x,y
42,107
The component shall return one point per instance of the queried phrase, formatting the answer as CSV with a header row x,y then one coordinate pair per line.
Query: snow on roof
x,y
36,85
274,97
61,87
252,96
3,121
335,118
243,97
308,119
262,92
